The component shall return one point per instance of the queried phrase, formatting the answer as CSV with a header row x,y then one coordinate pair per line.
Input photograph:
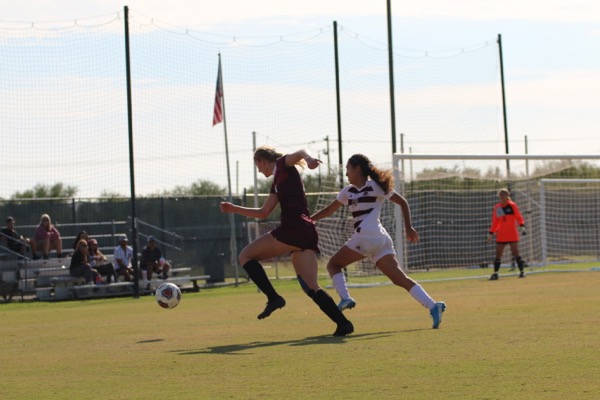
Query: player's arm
x,y
327,211
518,215
294,158
261,213
494,227
411,233
520,219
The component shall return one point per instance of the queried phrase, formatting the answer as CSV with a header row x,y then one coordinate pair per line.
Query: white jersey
x,y
365,205
125,255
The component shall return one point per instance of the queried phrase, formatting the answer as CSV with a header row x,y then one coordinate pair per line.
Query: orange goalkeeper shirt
x,y
505,221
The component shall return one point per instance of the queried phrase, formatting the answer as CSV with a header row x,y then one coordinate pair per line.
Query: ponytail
x,y
384,178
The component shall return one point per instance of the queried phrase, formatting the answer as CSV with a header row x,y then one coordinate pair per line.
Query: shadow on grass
x,y
309,341
150,341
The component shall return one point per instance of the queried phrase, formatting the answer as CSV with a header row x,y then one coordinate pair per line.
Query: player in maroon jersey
x,y
296,234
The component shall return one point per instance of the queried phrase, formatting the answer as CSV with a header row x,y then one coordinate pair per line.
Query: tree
x,y
41,191
112,195
198,188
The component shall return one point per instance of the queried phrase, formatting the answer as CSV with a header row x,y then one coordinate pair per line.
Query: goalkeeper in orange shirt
x,y
505,218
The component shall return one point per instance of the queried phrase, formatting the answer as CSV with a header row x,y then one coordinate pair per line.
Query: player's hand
x,y
412,235
227,207
523,230
312,163
489,237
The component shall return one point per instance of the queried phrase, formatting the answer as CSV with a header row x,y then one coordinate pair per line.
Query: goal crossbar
x,y
411,156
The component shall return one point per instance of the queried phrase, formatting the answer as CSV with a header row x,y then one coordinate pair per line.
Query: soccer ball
x,y
168,295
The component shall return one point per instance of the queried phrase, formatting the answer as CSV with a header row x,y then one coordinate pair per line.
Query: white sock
x,y
420,295
339,283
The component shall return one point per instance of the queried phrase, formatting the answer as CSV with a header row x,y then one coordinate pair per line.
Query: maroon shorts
x,y
302,234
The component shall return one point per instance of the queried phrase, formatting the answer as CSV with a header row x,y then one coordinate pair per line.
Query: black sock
x,y
520,263
328,306
257,273
496,265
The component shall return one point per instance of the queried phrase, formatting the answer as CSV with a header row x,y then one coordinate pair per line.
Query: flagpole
x,y
232,241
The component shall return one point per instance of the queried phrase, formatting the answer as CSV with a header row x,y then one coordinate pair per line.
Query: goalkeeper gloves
x,y
523,230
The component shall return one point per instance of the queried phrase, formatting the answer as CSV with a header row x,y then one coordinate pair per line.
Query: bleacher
x,y
49,279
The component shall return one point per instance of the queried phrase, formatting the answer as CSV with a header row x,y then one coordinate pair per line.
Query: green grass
x,y
533,338
285,270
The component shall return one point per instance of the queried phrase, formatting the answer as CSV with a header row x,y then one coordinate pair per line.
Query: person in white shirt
x,y
122,259
369,187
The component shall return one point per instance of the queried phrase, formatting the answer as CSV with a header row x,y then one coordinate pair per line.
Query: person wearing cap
x,y
122,259
153,261
13,240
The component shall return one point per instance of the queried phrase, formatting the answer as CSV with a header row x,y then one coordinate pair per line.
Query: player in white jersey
x,y
369,188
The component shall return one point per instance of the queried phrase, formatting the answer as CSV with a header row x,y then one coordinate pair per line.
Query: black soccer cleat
x,y
344,329
494,277
272,306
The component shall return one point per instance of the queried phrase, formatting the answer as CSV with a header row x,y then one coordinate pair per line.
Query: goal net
x,y
451,199
452,196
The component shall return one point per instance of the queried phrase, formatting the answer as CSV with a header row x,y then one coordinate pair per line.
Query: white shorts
x,y
372,247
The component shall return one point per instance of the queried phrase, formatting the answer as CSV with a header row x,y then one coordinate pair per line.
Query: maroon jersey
x,y
296,228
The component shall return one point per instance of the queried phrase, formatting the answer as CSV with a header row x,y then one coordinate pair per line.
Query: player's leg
x,y
305,265
342,258
497,261
514,248
389,265
263,248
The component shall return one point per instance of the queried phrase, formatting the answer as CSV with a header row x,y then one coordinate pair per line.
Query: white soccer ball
x,y
168,295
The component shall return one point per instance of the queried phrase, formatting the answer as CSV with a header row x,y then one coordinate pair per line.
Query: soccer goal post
x,y
452,196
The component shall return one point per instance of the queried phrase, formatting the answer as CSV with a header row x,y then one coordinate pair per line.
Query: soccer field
x,y
533,338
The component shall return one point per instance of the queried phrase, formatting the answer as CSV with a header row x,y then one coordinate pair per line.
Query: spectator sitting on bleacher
x,y
81,235
80,267
13,240
46,238
99,262
123,255
153,261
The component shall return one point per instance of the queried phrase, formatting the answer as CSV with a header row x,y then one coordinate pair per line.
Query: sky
x,y
551,48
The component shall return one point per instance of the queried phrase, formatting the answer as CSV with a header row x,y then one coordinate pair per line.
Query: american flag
x,y
218,112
